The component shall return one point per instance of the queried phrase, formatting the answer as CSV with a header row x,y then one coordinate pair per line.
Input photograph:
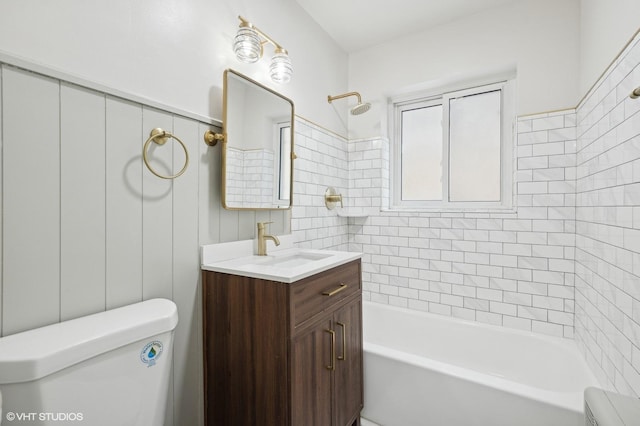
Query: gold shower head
x,y
356,110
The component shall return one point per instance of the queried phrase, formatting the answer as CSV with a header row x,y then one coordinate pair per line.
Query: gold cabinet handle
x,y
343,357
332,366
335,291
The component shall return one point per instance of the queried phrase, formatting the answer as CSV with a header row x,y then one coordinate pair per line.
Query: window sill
x,y
451,210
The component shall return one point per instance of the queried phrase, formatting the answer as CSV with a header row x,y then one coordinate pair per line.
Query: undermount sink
x,y
285,263
291,260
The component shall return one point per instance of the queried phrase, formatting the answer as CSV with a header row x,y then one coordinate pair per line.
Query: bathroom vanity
x,y
283,340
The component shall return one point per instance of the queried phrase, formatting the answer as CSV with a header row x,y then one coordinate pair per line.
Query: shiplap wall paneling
x,y
31,200
233,225
209,190
229,225
124,202
82,202
247,224
187,349
1,202
157,220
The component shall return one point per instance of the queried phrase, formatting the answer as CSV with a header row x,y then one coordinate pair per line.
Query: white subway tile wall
x,y
321,162
607,251
565,261
249,179
512,268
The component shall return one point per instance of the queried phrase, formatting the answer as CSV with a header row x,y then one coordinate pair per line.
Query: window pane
x,y
422,154
474,144
284,186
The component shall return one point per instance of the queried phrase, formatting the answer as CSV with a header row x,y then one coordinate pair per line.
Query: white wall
x,y
566,262
101,230
605,27
517,269
174,51
538,37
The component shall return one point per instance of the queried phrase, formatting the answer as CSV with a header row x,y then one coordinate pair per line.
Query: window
x,y
453,149
283,138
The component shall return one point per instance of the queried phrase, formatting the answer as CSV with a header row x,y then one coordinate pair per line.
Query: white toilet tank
x,y
107,369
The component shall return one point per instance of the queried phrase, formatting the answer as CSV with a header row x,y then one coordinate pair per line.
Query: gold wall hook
x,y
211,138
159,136
635,94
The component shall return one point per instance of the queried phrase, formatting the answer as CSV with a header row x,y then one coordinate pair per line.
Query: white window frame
x,y
277,177
443,96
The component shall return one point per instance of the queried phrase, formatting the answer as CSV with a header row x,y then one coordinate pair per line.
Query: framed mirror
x,y
257,159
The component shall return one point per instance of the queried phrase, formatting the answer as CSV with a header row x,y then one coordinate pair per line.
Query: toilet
x,y
109,368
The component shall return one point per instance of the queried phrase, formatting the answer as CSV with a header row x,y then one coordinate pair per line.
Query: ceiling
x,y
358,24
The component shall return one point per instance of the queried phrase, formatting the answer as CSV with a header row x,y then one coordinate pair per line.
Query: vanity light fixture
x,y
248,46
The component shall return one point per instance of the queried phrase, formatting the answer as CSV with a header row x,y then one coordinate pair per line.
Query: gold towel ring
x,y
160,137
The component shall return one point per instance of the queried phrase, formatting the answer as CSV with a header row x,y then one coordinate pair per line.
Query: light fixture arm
x,y
267,39
248,45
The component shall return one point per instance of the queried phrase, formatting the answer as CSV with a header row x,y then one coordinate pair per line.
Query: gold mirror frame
x,y
225,139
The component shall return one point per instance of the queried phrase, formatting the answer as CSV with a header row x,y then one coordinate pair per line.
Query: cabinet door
x,y
312,358
348,397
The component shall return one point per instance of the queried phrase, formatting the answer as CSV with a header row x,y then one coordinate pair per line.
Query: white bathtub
x,y
424,369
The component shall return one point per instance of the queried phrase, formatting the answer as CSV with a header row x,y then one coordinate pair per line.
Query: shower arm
x,y
333,98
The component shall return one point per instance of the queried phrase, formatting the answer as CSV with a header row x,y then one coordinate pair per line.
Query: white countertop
x,y
284,263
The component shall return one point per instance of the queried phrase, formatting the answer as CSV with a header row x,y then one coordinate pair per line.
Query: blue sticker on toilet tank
x,y
151,352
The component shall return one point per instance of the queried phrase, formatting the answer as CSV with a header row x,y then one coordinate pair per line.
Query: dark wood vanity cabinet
x,y
327,367
283,354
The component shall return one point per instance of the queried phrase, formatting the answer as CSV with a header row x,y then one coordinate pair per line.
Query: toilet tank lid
x,y
36,353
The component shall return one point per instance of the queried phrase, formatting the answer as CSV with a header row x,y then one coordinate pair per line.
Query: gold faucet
x,y
262,239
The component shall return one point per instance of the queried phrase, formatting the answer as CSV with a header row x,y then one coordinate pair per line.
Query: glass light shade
x,y
280,68
247,46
